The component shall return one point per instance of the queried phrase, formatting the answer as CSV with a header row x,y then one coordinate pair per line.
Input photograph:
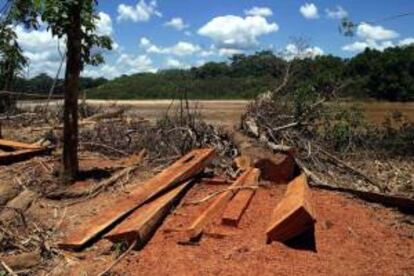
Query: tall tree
x,y
75,21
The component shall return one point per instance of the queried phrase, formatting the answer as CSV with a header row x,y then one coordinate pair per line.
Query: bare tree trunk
x,y
8,101
70,113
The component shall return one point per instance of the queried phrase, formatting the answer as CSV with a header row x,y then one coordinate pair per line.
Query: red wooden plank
x,y
219,203
20,155
144,221
238,205
294,215
16,145
183,169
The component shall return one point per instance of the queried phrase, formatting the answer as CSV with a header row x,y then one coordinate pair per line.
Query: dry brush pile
x,y
333,144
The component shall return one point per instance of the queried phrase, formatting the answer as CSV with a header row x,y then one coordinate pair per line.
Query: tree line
x,y
386,75
43,82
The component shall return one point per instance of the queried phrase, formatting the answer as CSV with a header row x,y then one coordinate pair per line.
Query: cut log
x,y
197,227
294,215
238,205
277,168
21,155
142,223
185,168
7,144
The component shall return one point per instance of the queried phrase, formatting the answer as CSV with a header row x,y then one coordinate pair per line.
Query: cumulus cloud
x,y
104,24
373,37
292,52
337,13
172,63
125,64
360,46
229,52
259,11
309,11
176,23
181,48
235,32
367,31
406,42
41,48
141,12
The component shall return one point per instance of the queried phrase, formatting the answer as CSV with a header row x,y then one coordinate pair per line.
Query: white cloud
x,y
367,31
41,48
104,24
229,52
259,11
406,41
292,52
176,64
235,32
337,13
176,23
181,48
184,48
141,12
360,46
309,11
145,42
125,64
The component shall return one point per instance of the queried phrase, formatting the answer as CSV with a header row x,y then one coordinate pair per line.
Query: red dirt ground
x,y
351,238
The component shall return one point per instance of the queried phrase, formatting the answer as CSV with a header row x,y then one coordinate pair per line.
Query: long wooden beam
x,y
20,155
8,144
142,223
197,227
186,167
238,205
294,215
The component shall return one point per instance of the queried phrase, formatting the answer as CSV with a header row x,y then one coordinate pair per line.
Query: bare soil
x,y
229,111
351,237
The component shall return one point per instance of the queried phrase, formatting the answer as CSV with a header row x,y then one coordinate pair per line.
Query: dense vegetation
x,y
386,75
42,84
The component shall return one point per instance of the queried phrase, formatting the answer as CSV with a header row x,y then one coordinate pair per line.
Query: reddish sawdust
x,y
351,237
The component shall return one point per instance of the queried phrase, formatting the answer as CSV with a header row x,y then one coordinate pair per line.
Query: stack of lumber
x,y
154,196
137,216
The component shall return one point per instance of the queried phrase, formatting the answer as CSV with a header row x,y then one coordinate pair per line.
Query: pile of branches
x,y
318,133
179,131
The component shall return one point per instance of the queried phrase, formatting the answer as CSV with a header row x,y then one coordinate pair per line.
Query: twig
x,y
119,259
8,269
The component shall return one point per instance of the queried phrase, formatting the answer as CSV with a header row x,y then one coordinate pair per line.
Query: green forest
x,y
386,75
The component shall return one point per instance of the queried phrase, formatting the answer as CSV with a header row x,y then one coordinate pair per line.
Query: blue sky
x,y
151,35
